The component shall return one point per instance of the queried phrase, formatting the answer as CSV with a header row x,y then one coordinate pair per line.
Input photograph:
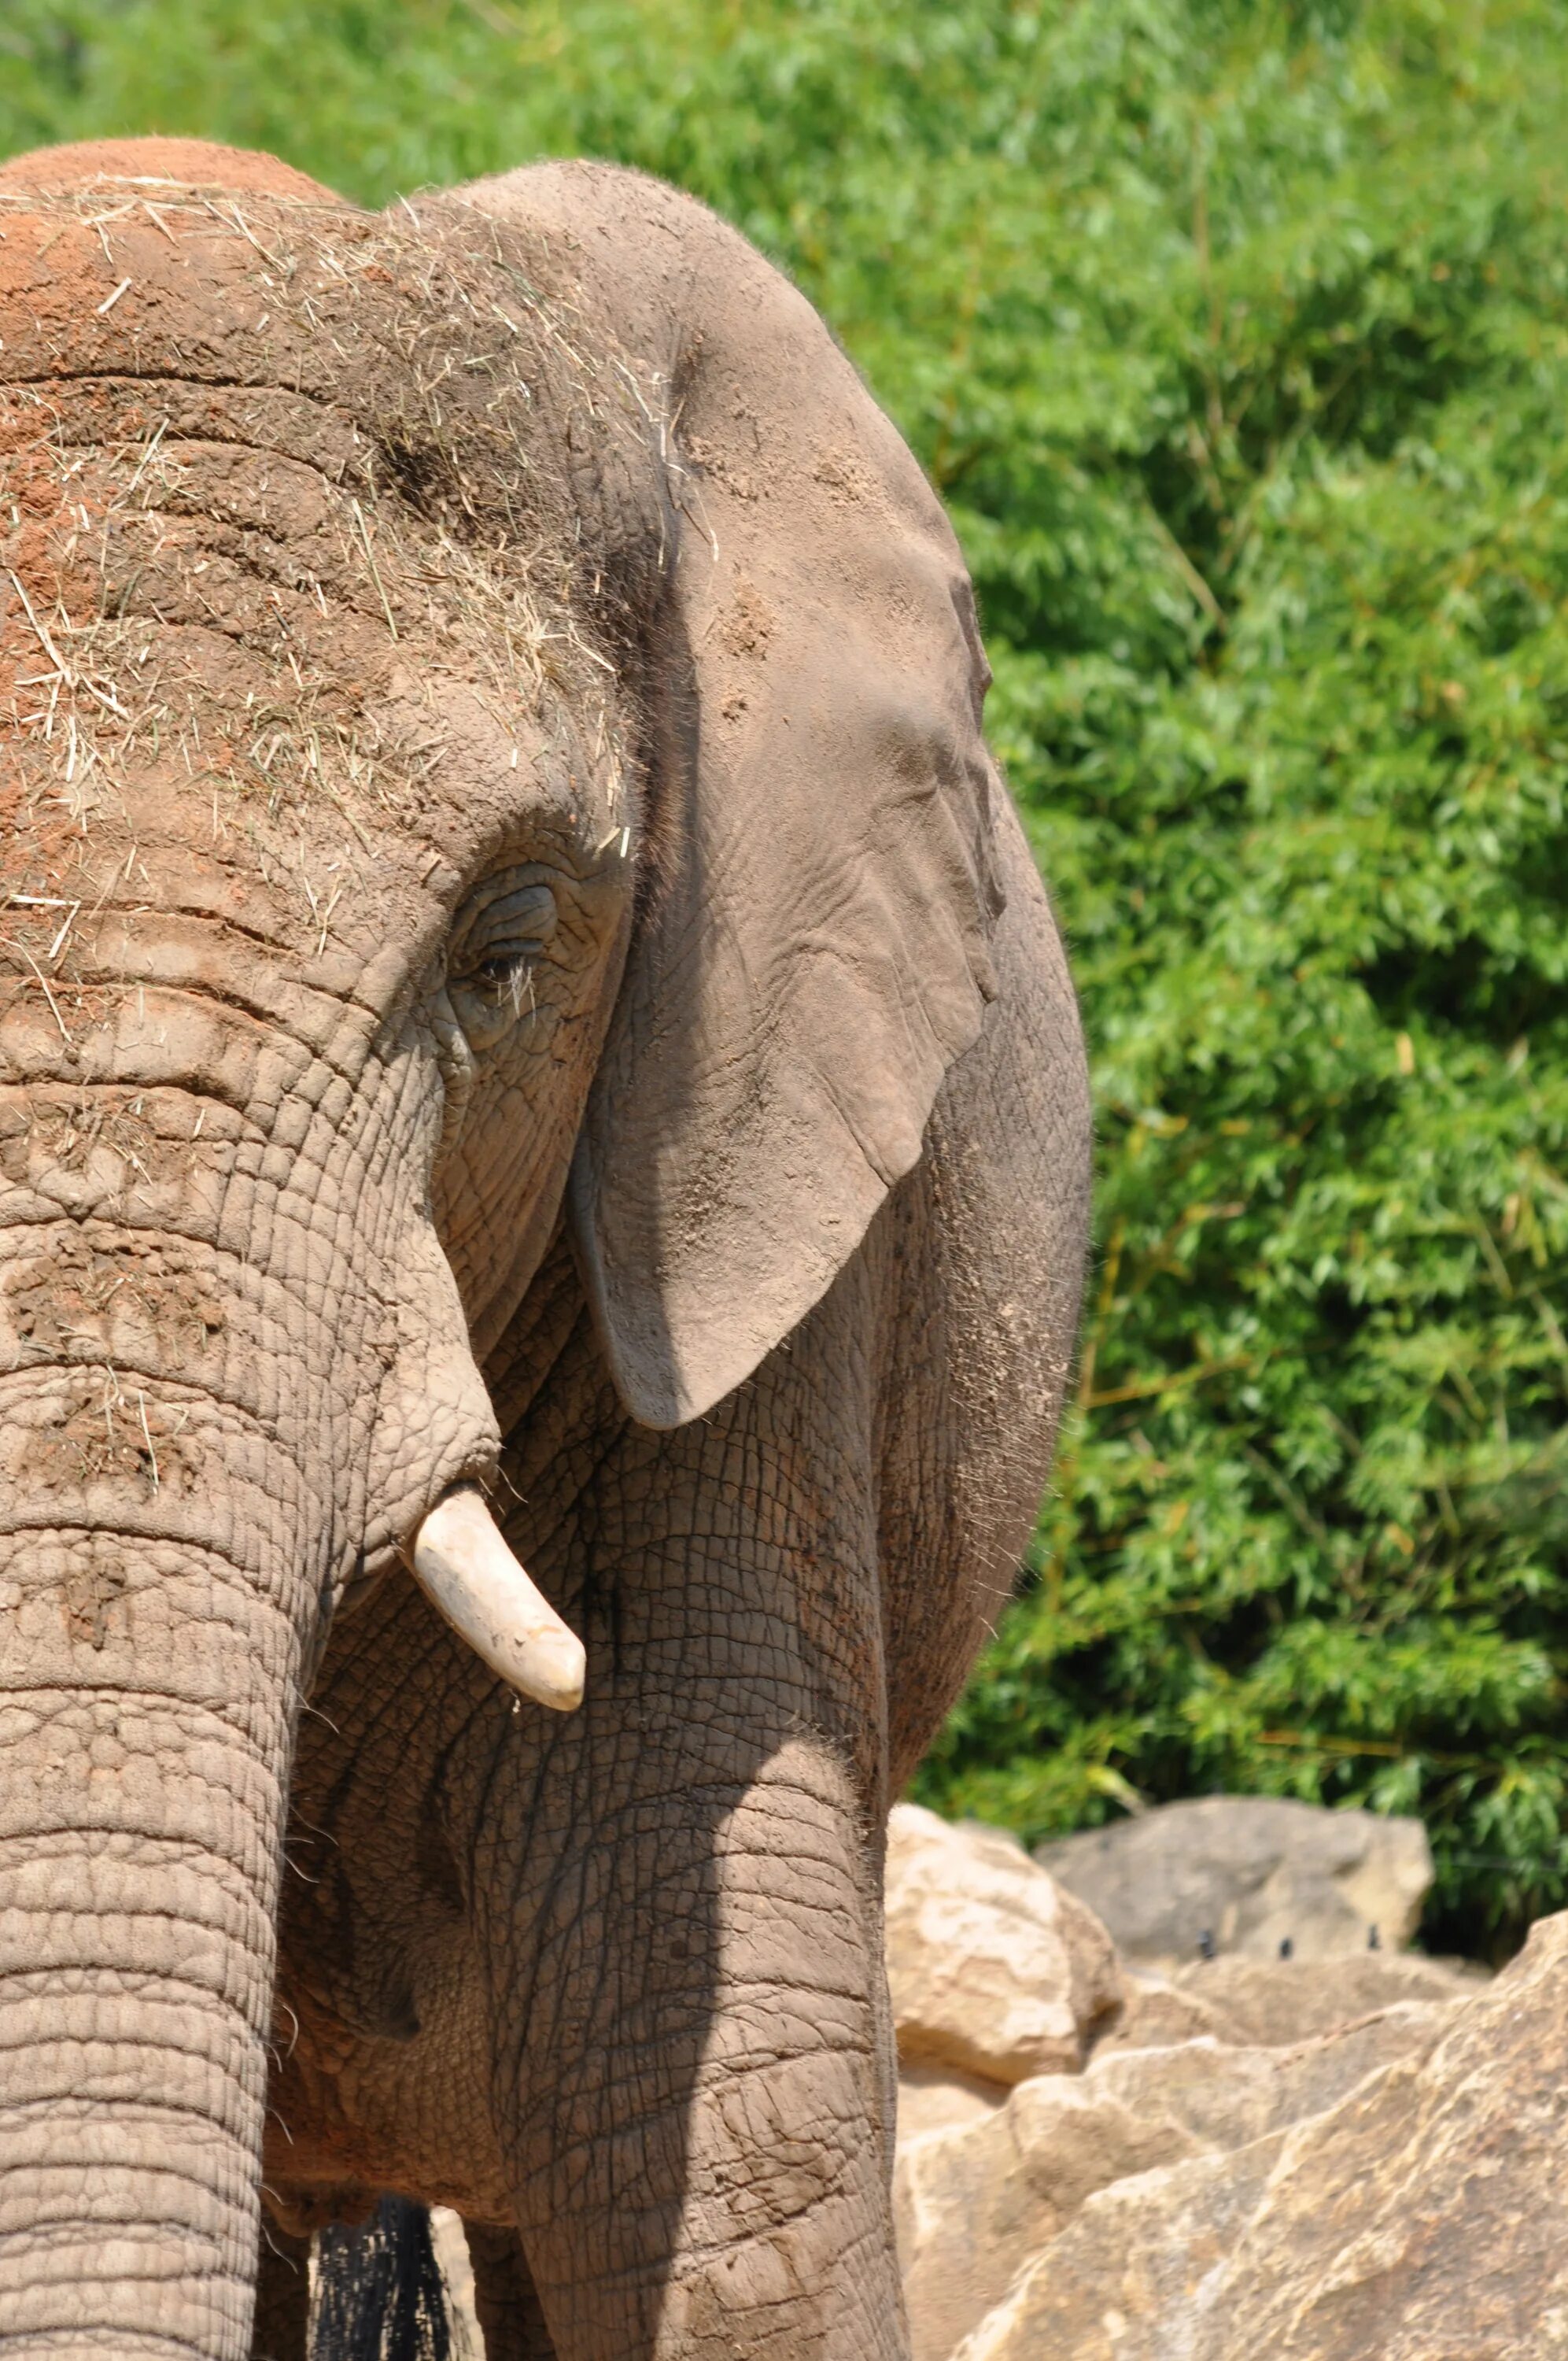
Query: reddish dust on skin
x,y
199,163
269,636
218,495
46,576
109,1432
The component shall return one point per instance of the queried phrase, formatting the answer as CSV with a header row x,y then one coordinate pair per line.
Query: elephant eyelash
x,y
506,977
503,940
504,967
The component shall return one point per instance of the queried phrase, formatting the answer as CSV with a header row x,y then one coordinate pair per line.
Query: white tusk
x,y
467,1573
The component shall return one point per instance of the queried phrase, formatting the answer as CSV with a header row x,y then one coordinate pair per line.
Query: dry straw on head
x,y
299,503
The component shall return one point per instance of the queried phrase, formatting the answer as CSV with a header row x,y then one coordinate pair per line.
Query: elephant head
x,y
494,719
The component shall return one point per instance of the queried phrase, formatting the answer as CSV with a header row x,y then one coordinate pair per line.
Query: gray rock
x,y
1251,1873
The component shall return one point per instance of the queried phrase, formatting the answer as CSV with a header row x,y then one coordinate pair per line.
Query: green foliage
x,y
1235,333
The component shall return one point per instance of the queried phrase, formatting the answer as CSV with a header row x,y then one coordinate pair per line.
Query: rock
x,y
1276,2001
1157,2012
1266,2002
975,2203
1252,1872
993,1967
1135,2253
1423,2216
451,2245
938,2098
1225,2097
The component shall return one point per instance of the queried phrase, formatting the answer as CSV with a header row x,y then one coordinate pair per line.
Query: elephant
x,y
545,1148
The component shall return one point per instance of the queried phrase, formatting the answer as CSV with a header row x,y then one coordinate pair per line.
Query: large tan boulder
x,y
1248,1874
1271,2001
1422,2216
993,1968
1268,2002
1223,2097
1133,2256
940,2099
976,2201
1157,2012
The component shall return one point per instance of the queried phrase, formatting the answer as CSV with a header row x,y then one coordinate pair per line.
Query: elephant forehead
x,y
293,613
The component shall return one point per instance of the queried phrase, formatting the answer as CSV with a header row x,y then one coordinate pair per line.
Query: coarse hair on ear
x,y
816,953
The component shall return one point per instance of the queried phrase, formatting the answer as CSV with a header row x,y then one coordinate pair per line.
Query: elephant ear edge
x,y
817,954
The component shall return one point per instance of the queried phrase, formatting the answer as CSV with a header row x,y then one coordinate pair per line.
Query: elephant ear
x,y
816,953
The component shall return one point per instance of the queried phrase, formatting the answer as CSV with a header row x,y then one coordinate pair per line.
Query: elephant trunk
x,y
235,1380
166,1540
141,1820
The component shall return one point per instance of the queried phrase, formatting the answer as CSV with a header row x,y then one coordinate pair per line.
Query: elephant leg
x,y
504,2296
699,2114
282,2297
677,1889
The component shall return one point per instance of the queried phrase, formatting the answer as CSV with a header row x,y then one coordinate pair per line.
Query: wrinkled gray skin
x,y
517,966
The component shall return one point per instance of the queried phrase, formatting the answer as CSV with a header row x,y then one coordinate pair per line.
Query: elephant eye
x,y
508,968
498,943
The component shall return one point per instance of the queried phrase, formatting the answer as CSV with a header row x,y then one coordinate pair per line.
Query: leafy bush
x,y
1236,336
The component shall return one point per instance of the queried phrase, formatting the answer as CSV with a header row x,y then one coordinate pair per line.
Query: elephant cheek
x,y
434,1427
